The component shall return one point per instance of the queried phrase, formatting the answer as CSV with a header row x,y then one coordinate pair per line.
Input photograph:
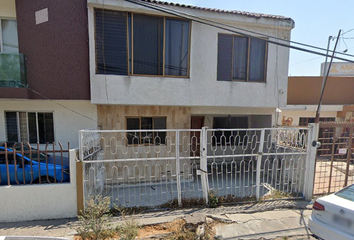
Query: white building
x,y
151,69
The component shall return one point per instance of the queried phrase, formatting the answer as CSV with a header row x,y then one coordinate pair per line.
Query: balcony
x,y
12,70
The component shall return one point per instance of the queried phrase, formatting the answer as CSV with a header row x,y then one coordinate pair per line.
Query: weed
x,y
213,200
94,221
276,194
130,228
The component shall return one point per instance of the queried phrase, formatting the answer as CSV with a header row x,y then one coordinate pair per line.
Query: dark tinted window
x,y
147,45
239,53
32,127
10,157
177,44
133,124
129,43
146,137
347,193
241,58
111,42
224,57
228,137
257,60
11,126
46,129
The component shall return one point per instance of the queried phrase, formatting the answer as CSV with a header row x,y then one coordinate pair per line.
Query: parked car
x,y
333,215
30,170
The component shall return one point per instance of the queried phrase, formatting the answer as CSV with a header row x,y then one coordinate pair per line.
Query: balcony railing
x,y
12,70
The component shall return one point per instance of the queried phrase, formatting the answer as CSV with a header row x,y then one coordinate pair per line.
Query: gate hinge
x,y
260,153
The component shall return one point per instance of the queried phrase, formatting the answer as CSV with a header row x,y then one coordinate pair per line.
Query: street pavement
x,y
263,220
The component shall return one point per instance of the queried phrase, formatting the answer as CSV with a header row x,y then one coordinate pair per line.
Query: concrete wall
x,y
56,50
342,114
258,117
310,112
41,201
307,90
114,117
67,121
202,87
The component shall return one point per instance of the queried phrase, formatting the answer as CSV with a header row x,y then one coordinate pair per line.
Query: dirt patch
x,y
178,229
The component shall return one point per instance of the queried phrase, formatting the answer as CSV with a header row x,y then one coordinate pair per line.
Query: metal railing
x,y
21,164
335,160
139,168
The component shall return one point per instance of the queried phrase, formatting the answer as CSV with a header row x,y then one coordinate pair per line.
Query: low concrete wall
x,y
40,201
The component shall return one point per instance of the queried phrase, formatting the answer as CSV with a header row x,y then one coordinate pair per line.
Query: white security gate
x,y
157,168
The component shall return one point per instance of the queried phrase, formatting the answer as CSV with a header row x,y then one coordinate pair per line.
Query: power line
x,y
308,60
347,31
212,23
40,94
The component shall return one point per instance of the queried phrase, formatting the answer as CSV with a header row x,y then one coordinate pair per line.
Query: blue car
x,y
32,171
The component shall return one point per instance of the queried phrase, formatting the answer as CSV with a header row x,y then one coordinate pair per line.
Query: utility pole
x,y
325,77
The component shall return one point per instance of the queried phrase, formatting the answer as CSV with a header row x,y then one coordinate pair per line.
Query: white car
x,y
332,216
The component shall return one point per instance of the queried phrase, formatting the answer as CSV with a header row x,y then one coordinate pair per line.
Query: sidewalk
x,y
249,221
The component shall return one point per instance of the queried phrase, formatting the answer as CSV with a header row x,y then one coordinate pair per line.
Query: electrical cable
x,y
204,21
25,86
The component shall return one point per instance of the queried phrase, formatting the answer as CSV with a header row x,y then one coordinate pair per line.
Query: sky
x,y
315,21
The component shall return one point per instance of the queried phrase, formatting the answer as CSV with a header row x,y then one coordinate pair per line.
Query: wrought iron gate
x,y
335,161
157,168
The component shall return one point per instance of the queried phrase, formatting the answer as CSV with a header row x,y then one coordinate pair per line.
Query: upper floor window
x,y
29,127
8,36
241,58
137,44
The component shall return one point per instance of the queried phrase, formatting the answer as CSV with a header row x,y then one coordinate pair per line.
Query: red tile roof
x,y
249,14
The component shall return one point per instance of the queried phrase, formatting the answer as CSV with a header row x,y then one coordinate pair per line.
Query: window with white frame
x,y
8,36
29,127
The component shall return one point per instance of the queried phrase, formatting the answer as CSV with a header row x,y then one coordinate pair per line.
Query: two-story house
x,y
115,64
158,65
44,71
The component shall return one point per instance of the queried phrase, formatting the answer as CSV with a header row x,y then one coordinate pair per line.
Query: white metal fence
x,y
157,167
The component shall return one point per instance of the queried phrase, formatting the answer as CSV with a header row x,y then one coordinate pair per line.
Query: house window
x,y
137,44
241,58
225,137
146,136
29,127
8,36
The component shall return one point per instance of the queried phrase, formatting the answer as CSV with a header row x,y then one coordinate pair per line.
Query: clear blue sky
x,y
315,21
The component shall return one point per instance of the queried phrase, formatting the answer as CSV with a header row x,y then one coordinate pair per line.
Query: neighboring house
x,y
153,70
303,97
44,71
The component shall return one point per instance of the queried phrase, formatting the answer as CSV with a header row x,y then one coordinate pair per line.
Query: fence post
x,y
204,165
259,163
310,161
81,150
178,171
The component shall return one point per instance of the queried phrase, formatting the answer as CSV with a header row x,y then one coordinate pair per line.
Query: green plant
x,y
213,200
129,229
94,221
